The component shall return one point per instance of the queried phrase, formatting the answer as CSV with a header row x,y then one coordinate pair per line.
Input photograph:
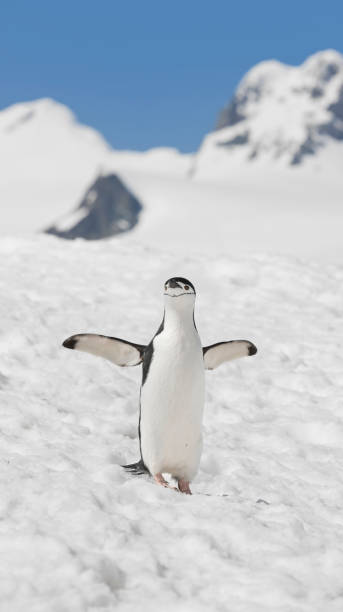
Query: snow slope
x,y
264,530
281,211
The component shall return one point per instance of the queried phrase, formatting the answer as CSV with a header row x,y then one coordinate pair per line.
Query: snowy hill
x,y
263,531
48,160
282,113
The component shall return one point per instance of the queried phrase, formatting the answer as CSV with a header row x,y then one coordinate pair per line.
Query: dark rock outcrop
x,y
108,208
230,115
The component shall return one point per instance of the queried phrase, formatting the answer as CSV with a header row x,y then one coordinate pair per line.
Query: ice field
x,y
264,528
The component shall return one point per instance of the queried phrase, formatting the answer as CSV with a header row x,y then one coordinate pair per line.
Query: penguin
x,y
172,394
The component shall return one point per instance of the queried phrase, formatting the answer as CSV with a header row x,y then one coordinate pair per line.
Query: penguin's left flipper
x,y
120,352
216,354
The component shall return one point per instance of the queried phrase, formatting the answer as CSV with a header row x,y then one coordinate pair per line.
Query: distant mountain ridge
x,y
282,130
281,113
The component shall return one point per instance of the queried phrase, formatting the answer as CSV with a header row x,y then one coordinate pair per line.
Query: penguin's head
x,y
178,287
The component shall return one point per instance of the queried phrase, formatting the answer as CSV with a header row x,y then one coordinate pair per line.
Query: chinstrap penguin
x,y
173,384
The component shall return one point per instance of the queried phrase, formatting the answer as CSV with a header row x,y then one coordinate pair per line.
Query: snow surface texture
x,y
282,212
264,528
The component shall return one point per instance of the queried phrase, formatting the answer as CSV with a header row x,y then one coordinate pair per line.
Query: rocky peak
x,y
107,208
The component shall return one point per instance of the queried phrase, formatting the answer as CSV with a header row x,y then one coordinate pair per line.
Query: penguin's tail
x,y
136,469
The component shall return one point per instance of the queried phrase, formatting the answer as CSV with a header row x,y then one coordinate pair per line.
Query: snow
x,y
158,161
283,211
72,219
47,161
264,529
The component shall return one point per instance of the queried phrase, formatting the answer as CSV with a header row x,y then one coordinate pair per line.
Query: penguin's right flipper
x,y
120,352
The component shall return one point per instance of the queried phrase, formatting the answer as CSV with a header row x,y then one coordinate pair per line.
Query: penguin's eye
x,y
186,287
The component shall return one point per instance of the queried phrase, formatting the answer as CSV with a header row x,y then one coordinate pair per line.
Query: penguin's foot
x,y
161,481
184,486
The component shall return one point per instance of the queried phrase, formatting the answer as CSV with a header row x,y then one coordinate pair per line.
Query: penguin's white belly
x,y
172,401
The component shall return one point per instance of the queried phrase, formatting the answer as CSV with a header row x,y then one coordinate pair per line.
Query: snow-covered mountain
x,y
269,179
48,160
279,113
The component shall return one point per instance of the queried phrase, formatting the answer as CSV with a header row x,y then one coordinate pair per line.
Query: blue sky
x,y
148,73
